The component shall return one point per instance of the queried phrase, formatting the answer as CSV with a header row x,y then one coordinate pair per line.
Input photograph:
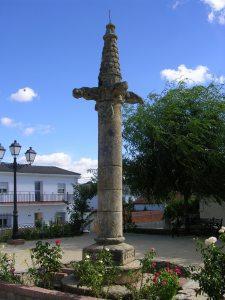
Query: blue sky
x,y
49,47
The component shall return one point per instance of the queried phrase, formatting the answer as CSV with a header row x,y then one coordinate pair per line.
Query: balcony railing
x,y
35,198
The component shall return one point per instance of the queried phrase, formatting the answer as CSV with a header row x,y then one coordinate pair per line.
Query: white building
x,y
43,193
210,209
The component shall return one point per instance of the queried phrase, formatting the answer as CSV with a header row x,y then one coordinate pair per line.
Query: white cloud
x,y
216,5
64,161
176,4
199,75
8,122
26,129
25,94
39,129
217,10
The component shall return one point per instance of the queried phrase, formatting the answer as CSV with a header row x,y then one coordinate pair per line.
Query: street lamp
x,y
30,154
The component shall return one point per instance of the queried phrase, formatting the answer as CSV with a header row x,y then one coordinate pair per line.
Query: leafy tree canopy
x,y
80,212
175,142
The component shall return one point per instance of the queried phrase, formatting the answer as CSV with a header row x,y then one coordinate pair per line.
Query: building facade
x,y
43,194
210,209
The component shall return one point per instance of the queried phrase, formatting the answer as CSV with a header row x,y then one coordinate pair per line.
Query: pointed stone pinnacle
x,y
110,67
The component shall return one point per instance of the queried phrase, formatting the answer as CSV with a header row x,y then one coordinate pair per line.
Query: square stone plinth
x,y
122,253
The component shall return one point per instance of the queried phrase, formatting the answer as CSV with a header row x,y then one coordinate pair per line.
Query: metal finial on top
x,y
109,16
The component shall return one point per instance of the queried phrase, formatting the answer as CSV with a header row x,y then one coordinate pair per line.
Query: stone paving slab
x,y
179,250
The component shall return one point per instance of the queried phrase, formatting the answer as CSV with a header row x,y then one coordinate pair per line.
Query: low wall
x,y
147,216
10,291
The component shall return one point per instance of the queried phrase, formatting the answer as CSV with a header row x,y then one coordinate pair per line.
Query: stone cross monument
x,y
110,95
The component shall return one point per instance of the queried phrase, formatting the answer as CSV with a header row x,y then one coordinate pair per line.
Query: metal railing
x,y
35,197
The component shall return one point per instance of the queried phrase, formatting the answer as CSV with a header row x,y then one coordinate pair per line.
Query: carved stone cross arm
x,y
118,91
87,93
133,98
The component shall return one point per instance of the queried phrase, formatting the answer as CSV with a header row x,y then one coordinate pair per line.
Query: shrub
x,y
156,283
164,285
211,275
5,235
96,273
45,263
7,268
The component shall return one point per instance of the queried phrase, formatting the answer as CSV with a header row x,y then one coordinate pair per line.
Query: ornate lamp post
x,y
30,155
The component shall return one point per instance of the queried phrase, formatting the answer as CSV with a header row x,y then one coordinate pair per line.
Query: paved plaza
x,y
178,249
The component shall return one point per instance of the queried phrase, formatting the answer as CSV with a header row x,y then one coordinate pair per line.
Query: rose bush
x,y
7,268
46,262
211,276
96,273
156,282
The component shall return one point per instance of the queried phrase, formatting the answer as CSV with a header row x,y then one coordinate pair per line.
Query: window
x,y
5,221
38,219
3,187
61,188
38,186
60,217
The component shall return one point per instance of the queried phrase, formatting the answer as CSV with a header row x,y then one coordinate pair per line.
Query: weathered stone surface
x,y
110,178
110,202
129,273
122,253
70,284
110,224
188,292
116,292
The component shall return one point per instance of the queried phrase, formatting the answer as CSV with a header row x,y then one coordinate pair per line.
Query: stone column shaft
x,y
110,175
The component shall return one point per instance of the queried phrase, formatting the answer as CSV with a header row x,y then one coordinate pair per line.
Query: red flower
x,y
178,271
154,264
155,278
170,271
164,282
58,242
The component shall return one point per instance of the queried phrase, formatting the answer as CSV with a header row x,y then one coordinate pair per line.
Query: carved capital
x,y
115,93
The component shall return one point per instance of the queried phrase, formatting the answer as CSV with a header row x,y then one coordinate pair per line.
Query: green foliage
x,y
45,263
128,207
53,230
164,286
175,142
211,275
147,265
7,268
176,207
5,235
96,273
80,211
156,283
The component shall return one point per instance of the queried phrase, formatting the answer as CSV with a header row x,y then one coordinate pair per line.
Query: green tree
x,y
80,212
175,142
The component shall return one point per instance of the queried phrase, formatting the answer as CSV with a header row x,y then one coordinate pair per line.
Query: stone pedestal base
x,y
122,253
71,285
129,273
